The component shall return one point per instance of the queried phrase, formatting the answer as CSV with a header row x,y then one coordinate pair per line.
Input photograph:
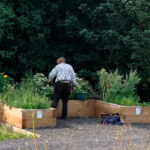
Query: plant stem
x,y
46,144
27,148
35,138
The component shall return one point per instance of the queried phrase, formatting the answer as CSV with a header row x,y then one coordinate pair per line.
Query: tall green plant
x,y
116,87
23,95
130,83
122,90
105,81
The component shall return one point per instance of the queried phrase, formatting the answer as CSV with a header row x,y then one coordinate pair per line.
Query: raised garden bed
x,y
93,108
130,114
22,118
77,108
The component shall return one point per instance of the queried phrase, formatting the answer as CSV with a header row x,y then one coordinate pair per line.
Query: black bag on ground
x,y
109,118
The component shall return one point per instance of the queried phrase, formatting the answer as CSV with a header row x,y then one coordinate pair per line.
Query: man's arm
x,y
52,74
73,77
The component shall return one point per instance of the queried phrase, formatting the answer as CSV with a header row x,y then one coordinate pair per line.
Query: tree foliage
x,y
91,34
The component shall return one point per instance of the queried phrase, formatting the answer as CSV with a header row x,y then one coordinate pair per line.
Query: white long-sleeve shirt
x,y
62,72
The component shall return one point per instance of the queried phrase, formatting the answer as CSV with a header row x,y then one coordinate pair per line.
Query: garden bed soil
x,y
22,118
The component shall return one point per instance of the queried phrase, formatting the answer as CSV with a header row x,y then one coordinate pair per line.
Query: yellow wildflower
x,y
5,76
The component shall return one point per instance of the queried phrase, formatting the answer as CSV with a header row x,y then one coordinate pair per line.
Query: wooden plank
x,y
48,118
78,108
132,111
15,129
11,120
23,118
46,122
11,115
127,113
101,107
136,119
16,111
27,114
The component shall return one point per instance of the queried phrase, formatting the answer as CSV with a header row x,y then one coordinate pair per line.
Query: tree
x,y
91,34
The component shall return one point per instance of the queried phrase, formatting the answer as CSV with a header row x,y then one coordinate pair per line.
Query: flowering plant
x,y
81,85
41,85
3,80
24,94
119,89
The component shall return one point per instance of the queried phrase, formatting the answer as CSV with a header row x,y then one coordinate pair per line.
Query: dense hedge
x,y
91,34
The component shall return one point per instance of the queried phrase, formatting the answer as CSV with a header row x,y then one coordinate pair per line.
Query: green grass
x,y
25,99
24,96
7,134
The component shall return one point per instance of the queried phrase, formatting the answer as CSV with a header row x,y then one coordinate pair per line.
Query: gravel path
x,y
85,134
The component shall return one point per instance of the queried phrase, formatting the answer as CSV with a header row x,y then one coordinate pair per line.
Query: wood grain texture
x,y
78,108
90,108
127,113
22,118
16,129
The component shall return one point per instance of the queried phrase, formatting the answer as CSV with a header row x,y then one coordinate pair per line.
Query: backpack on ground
x,y
110,118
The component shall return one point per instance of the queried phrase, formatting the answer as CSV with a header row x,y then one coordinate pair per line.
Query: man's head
x,y
61,60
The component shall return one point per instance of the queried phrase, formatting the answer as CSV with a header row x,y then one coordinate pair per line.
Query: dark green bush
x,y
90,34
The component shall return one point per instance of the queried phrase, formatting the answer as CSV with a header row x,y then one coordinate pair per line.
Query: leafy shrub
x,y
24,95
41,85
127,100
117,89
144,104
82,86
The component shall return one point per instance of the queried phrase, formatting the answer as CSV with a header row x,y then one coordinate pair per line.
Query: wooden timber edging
x,y
77,108
22,118
129,114
93,108
19,130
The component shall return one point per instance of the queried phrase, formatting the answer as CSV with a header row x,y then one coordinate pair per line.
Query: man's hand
x,y
73,88
50,83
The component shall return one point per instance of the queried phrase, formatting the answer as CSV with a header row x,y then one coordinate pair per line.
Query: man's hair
x,y
60,60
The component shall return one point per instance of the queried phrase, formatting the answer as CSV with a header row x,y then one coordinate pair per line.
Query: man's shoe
x,y
62,118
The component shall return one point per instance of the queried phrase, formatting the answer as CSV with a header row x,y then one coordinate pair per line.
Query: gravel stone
x,y
85,134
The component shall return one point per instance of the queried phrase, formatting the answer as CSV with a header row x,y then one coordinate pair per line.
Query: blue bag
x,y
107,118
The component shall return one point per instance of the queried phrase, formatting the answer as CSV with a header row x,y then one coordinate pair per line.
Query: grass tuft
x,y
5,133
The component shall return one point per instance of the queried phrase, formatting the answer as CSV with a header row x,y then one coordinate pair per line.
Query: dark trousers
x,y
62,91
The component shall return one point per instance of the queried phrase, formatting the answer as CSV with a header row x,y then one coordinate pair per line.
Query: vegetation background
x,y
91,34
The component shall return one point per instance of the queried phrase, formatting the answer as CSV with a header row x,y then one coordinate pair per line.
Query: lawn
x,y
8,134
